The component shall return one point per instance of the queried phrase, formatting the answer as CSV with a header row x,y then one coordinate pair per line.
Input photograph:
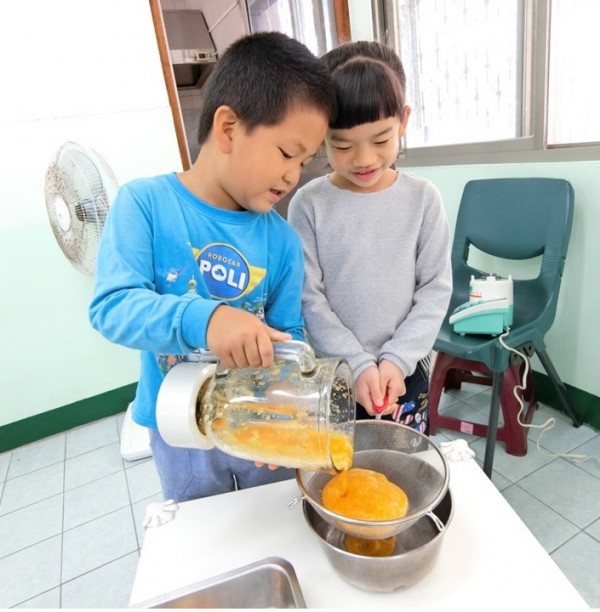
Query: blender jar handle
x,y
298,351
292,350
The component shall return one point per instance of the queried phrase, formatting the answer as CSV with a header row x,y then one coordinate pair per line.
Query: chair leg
x,y
490,442
436,386
453,380
559,387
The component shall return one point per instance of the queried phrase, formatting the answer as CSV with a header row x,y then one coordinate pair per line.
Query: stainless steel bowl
x,y
415,553
268,583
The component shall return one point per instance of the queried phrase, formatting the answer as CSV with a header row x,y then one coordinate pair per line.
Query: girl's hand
x,y
369,392
391,378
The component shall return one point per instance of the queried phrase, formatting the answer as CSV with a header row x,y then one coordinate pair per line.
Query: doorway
x,y
187,54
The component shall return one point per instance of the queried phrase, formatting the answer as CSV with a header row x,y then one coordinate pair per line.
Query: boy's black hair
x,y
261,77
369,83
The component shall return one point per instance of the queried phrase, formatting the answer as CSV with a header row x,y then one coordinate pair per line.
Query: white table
x,y
489,560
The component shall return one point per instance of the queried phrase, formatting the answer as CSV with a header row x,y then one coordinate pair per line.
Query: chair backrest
x,y
516,218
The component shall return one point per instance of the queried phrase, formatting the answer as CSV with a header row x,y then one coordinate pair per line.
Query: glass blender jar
x,y
299,413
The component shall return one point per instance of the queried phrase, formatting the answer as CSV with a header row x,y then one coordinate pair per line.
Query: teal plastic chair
x,y
511,219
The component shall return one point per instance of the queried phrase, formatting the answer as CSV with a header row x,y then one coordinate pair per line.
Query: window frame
x,y
535,30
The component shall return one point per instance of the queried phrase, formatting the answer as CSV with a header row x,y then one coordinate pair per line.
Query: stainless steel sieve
x,y
408,458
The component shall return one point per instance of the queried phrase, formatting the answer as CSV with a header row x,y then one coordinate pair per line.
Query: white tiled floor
x,y
71,508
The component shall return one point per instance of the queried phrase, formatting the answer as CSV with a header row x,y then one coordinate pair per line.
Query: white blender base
x,y
176,404
135,439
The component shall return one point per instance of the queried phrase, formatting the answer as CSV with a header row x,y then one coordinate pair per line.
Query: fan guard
x,y
79,189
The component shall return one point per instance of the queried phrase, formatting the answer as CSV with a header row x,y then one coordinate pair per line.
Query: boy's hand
x,y
271,466
240,339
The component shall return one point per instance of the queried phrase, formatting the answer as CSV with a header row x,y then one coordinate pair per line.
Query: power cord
x,y
550,422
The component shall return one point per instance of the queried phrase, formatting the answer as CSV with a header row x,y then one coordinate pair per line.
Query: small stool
x,y
449,372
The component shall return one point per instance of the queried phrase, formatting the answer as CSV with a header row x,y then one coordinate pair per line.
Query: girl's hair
x,y
369,83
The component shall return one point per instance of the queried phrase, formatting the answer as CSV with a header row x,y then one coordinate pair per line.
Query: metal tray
x,y
269,583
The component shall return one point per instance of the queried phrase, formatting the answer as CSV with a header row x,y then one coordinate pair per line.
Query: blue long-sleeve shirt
x,y
166,260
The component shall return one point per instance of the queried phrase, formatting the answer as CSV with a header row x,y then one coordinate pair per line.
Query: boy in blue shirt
x,y
199,260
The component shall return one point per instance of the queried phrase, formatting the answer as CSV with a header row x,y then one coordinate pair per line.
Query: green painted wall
x,y
575,335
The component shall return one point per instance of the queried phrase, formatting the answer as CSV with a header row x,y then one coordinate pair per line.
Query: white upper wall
x,y
87,71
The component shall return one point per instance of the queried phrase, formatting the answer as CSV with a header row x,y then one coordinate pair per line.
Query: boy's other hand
x,y
271,466
240,339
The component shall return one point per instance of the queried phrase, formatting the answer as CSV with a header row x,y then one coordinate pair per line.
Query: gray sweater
x,y
377,278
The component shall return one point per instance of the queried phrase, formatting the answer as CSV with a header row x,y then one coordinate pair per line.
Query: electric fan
x,y
79,189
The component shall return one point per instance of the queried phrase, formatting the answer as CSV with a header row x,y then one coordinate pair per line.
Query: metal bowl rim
x,y
404,555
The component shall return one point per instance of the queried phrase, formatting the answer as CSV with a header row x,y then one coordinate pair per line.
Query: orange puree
x,y
370,548
288,443
365,495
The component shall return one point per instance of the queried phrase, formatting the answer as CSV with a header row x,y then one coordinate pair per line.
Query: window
x,y
463,66
309,21
497,80
487,80
574,89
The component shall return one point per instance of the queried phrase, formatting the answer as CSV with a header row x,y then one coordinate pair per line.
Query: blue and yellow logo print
x,y
225,271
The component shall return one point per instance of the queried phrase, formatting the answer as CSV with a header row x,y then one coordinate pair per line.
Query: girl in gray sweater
x,y
376,243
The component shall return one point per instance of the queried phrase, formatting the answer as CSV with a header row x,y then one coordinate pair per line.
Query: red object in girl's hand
x,y
380,409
